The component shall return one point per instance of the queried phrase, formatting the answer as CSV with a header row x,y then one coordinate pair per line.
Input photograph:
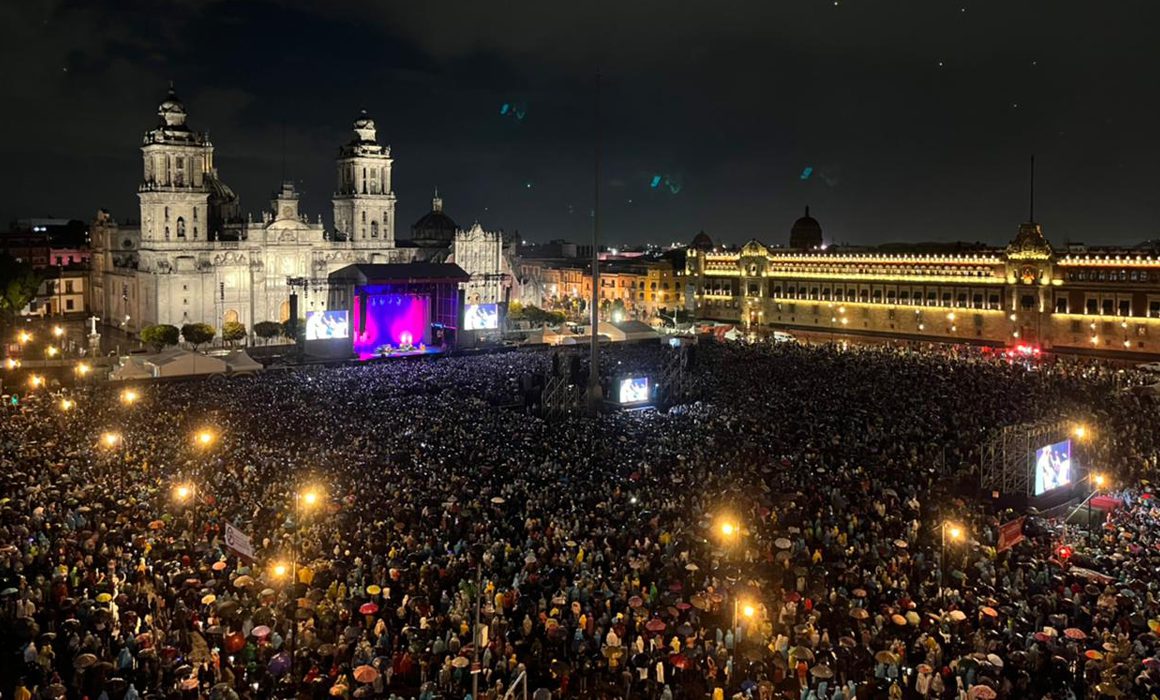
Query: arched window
x,y
364,217
374,229
167,213
230,316
284,312
181,227
167,233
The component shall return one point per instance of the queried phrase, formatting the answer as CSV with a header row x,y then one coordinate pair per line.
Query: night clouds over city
x,y
893,121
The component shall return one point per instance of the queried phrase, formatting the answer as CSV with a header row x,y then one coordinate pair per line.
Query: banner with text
x,y
1010,534
239,541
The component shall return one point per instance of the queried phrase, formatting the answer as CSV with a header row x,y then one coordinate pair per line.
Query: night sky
x,y
910,120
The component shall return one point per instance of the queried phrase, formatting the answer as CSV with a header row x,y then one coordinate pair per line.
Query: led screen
x,y
481,317
325,325
1052,466
633,390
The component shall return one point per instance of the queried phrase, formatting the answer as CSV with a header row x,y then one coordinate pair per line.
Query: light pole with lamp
x,y
303,499
955,532
1095,482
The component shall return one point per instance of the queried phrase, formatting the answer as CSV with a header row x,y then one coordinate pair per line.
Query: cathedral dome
x,y
702,242
435,228
172,111
806,233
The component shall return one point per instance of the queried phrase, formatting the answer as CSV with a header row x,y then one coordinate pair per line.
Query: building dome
x,y
806,233
435,228
702,242
172,111
364,129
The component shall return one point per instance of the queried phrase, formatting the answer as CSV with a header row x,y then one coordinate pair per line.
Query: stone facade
x,y
194,260
1025,293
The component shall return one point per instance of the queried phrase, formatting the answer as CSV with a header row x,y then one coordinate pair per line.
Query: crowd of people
x,y
810,527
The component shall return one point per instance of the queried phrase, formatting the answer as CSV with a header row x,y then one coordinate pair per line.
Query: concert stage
x,y
399,310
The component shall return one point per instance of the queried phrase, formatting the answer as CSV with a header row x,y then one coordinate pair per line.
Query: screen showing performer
x,y
1052,466
481,317
325,325
634,390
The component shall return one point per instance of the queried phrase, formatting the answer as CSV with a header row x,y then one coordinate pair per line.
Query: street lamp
x,y
1080,431
25,337
183,492
57,331
954,532
203,438
740,610
83,369
111,440
67,404
303,500
129,396
1097,482
36,381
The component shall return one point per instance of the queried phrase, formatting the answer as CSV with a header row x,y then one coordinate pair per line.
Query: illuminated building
x,y
1025,293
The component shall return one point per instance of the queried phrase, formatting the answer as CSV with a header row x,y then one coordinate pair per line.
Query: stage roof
x,y
400,272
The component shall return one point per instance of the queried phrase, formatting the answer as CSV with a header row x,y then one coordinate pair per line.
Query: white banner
x,y
239,541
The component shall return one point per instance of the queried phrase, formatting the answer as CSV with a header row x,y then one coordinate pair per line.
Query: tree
x,y
198,333
618,308
296,333
267,330
232,332
18,285
515,311
160,336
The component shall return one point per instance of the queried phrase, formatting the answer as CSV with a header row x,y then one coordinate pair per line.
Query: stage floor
x,y
401,354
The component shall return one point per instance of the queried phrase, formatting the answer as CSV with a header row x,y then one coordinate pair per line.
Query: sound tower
x,y
294,315
574,375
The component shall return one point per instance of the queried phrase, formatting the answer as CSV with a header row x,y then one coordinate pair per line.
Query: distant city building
x,y
1028,292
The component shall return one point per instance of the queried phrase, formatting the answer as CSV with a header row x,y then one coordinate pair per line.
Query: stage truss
x,y
1005,462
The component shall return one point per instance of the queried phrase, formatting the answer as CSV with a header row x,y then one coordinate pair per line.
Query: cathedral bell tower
x,y
364,205
176,189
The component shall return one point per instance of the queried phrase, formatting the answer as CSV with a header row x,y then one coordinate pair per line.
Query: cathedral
x,y
194,259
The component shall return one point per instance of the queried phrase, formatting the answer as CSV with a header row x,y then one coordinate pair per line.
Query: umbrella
x,y
218,566
821,671
156,524
104,598
901,544
374,590
957,615
498,500
924,668
243,581
886,657
367,674
982,692
989,611
208,599
1109,689
338,690
847,642
859,613
635,602
655,625
1094,654
84,661
279,664
368,609
898,620
994,660
260,631
782,543
912,617
800,652
692,567
680,661
460,662
1075,633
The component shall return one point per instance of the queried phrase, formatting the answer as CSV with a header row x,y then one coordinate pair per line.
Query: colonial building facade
x,y
194,259
1027,292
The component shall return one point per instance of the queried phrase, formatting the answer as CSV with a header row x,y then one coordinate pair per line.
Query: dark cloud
x,y
917,117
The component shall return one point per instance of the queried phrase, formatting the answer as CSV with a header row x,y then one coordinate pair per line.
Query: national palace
x,y
1026,293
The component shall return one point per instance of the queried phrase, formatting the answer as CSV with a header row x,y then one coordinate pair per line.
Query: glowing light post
x,y
1097,482
304,499
82,369
112,441
740,610
58,333
594,394
955,532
